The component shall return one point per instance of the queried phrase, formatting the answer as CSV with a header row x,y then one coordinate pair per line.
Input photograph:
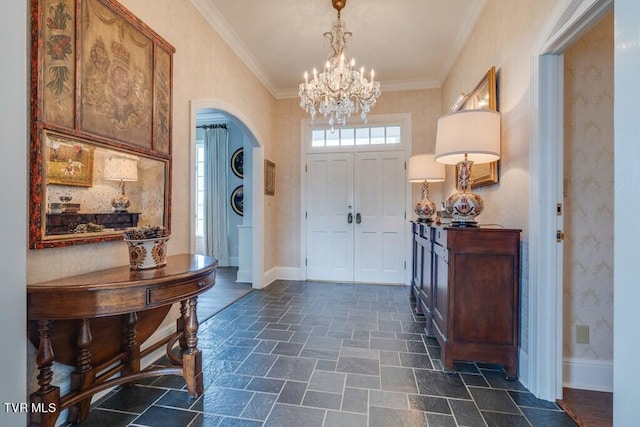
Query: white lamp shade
x,y
475,133
120,168
422,167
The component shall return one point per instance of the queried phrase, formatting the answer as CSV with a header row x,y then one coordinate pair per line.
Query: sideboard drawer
x,y
180,291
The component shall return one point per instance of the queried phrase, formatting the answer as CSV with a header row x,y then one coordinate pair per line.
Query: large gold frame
x,y
100,78
483,96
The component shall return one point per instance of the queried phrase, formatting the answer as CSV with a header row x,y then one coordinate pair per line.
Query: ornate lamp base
x,y
425,208
120,203
463,205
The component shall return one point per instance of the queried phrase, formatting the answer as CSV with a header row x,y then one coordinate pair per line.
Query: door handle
x,y
358,218
349,218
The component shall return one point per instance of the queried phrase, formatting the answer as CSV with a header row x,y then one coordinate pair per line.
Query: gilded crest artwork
x,y
123,92
116,79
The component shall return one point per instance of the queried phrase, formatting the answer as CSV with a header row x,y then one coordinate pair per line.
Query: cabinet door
x,y
440,289
426,290
416,266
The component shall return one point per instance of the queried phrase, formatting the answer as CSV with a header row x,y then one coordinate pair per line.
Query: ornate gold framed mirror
x,y
101,96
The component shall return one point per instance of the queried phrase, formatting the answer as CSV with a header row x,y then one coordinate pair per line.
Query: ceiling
x,y
411,44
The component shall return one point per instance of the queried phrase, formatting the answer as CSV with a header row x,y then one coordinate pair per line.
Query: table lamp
x,y
422,168
123,169
464,138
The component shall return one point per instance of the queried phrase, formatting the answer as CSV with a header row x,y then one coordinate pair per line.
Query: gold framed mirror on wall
x,y
483,96
101,95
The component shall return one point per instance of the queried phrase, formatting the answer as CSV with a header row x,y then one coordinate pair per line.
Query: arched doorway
x,y
248,222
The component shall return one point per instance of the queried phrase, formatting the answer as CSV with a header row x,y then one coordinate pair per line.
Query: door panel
x,y
380,199
329,235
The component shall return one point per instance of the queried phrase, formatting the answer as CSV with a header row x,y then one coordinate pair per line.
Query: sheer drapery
x,y
215,190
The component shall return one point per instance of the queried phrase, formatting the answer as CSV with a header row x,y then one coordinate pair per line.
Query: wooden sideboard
x,y
65,223
466,284
97,321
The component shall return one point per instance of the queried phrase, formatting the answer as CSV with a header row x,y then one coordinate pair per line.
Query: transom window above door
x,y
356,136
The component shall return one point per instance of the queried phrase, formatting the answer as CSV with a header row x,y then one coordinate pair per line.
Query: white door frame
x,y
569,21
404,119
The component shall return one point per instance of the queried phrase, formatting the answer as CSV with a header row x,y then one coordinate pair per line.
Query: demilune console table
x,y
97,321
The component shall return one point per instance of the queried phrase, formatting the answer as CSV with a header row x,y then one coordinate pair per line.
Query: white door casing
x,y
355,217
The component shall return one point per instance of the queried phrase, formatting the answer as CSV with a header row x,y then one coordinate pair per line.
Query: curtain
x,y
216,218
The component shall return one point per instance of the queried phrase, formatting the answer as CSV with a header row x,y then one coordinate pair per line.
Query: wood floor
x,y
224,293
588,408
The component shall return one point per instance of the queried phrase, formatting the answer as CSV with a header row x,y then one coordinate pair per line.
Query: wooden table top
x,y
120,290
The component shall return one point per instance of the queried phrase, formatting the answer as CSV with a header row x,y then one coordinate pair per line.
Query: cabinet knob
x,y
201,284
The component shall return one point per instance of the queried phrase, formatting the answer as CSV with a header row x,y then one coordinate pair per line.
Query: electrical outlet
x,y
582,334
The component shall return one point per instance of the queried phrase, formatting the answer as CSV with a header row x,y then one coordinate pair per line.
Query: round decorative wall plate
x,y
237,162
237,200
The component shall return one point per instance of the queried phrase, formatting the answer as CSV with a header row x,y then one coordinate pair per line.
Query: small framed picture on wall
x,y
269,178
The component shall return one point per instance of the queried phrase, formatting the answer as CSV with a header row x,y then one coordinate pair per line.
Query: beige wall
x,y
424,107
588,171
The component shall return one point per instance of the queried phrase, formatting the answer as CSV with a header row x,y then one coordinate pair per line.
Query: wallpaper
x,y
588,164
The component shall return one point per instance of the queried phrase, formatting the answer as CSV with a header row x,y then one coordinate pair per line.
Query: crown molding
x,y
213,16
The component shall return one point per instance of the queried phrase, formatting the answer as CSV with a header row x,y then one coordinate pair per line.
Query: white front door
x,y
329,231
356,217
380,204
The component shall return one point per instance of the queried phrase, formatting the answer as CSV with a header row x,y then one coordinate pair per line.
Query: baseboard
x,y
289,273
523,368
585,374
282,273
243,276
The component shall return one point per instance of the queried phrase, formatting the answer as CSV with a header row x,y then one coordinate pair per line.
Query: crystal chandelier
x,y
340,90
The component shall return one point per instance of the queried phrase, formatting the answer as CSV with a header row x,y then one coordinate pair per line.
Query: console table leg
x,y
180,325
47,398
132,362
191,356
84,375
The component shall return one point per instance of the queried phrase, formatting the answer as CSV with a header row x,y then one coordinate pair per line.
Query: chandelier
x,y
340,90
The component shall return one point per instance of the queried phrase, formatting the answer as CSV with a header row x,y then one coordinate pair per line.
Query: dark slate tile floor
x,y
319,354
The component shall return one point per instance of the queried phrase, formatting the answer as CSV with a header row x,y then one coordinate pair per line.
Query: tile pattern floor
x,y
319,354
